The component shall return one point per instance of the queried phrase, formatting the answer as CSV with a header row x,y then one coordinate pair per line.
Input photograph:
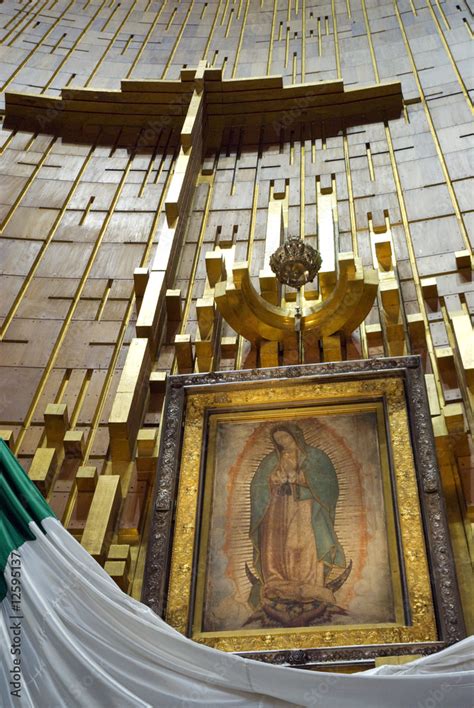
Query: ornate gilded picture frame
x,y
298,515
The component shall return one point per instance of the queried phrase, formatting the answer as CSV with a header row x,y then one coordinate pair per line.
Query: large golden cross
x,y
201,105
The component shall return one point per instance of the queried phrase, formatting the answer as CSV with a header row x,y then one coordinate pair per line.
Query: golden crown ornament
x,y
295,262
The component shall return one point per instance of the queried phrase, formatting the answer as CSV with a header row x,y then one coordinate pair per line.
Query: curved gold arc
x,y
236,312
256,319
371,284
313,316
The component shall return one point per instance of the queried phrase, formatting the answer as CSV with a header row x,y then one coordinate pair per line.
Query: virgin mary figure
x,y
294,493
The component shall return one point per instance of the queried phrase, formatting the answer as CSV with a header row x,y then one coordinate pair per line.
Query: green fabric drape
x,y
20,504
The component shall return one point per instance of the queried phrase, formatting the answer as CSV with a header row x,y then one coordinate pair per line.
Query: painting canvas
x,y
298,522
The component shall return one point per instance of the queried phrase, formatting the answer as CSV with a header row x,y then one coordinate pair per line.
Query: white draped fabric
x,y
86,643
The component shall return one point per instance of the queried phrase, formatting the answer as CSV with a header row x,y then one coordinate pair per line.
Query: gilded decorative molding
x,y
422,627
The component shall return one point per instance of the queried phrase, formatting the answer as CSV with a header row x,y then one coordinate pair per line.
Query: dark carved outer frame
x,y
440,557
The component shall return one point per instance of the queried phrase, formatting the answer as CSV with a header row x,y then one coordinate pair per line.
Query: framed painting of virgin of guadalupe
x,y
303,523
296,515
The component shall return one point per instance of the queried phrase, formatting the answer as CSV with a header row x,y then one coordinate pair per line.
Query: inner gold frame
x,y
273,400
